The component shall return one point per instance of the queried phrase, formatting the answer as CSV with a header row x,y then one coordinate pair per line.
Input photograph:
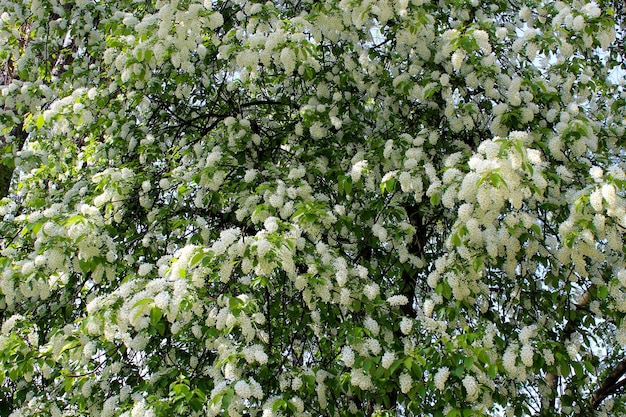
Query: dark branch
x,y
6,170
610,385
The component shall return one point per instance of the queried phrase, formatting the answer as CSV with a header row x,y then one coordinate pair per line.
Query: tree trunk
x,y
6,170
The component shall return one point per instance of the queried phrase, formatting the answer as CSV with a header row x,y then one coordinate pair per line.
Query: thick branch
x,y
610,384
6,170
409,279
570,327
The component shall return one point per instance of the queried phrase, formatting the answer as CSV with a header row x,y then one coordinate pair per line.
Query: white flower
x,y
270,224
371,291
247,58
429,306
144,269
162,300
164,183
374,346
298,403
8,325
509,360
360,379
441,377
526,355
501,32
572,350
406,382
109,406
406,324
457,59
388,359
591,10
288,59
380,232
534,156
525,13
243,389
55,259
398,300
471,386
596,172
215,19
357,170
595,199
318,131
371,325
296,383
250,175
579,23
276,200
257,391
347,355
482,39
526,333
609,194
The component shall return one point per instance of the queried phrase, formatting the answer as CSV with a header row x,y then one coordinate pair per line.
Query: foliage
x,y
312,208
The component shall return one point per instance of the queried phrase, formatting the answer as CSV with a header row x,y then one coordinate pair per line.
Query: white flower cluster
x,y
249,389
398,300
360,379
406,382
388,359
347,355
441,377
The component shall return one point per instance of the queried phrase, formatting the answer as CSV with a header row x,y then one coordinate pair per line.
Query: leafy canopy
x,y
312,208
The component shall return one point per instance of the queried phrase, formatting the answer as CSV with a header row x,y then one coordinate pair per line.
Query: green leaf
x,y
478,263
388,186
536,228
227,398
160,327
395,365
143,301
570,239
483,356
142,306
279,404
578,369
421,389
37,227
74,219
196,258
347,186
155,315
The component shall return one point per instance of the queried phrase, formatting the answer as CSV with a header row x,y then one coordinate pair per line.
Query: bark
x,y
611,384
7,169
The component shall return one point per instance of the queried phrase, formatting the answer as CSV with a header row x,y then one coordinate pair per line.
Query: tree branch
x,y
6,170
610,384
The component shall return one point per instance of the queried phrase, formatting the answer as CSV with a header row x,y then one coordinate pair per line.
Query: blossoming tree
x,y
312,208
